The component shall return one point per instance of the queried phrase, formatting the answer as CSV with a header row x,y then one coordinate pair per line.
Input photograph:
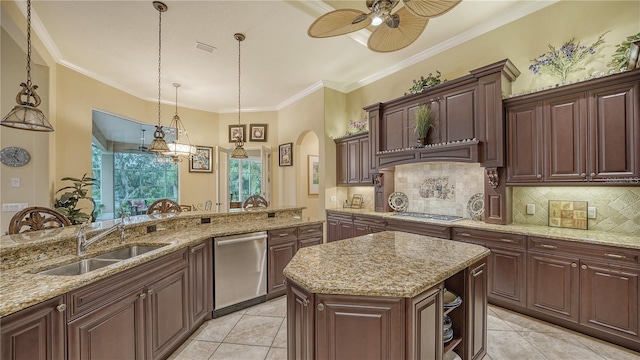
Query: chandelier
x,y
26,115
178,149
239,152
159,145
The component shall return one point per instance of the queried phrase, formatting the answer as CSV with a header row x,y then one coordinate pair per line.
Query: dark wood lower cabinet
x,y
279,256
35,333
167,313
476,319
358,327
301,323
114,331
200,282
507,275
424,321
609,298
553,285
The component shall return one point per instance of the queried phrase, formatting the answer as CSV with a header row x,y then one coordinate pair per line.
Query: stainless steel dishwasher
x,y
240,268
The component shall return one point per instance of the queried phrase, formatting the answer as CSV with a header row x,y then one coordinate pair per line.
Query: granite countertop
x,y
21,287
584,236
388,263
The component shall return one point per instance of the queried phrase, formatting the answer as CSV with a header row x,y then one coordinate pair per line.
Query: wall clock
x,y
14,156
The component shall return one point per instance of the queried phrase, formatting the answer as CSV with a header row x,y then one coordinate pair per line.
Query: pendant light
x,y
159,145
26,115
239,152
176,148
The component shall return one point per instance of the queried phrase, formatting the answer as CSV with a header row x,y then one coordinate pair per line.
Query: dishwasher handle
x,y
240,239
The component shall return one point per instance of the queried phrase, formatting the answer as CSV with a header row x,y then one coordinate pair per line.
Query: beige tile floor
x,y
260,333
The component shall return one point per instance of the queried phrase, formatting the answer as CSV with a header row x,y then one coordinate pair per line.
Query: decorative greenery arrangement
x,y
424,83
569,58
424,121
356,127
67,203
621,55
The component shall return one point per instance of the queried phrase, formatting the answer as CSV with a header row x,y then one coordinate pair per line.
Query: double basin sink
x,y
86,265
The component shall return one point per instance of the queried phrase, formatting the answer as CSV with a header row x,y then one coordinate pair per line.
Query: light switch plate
x,y
333,198
15,182
591,212
531,209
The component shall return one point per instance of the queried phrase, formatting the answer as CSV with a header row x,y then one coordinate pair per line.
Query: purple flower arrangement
x,y
358,126
569,58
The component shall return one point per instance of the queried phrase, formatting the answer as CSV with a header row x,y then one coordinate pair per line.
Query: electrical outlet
x,y
14,207
333,198
15,182
531,209
591,212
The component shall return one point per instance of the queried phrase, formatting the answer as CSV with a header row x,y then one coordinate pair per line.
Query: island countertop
x,y
389,263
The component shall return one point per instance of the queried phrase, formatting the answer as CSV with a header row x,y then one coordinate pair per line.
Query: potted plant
x,y
425,83
620,59
423,123
67,203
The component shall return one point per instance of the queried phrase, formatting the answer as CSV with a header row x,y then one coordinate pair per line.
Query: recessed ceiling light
x,y
205,47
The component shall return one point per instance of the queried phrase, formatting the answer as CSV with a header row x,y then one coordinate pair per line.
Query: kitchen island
x,y
380,296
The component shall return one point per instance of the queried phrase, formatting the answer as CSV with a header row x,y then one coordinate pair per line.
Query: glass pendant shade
x,y
176,147
158,145
239,152
26,115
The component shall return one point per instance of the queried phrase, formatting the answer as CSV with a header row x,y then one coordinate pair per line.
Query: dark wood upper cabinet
x,y
353,160
582,133
458,113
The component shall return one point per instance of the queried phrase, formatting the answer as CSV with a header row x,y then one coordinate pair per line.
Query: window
x,y
96,173
245,178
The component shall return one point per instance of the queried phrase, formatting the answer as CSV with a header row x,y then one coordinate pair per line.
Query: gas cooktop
x,y
420,216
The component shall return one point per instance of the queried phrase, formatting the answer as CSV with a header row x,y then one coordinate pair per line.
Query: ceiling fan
x,y
394,31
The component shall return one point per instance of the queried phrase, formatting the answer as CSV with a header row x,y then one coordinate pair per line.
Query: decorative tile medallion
x,y
439,188
568,214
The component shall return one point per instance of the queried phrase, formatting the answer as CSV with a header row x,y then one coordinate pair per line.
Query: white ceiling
x,y
116,42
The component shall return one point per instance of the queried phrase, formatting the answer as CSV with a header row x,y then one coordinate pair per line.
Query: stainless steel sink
x,y
79,267
128,252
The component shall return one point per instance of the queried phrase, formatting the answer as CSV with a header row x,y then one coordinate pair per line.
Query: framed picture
x,y
356,201
201,161
314,174
285,154
235,131
258,132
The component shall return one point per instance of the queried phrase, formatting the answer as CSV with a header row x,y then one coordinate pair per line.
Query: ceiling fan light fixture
x,y
377,20
26,115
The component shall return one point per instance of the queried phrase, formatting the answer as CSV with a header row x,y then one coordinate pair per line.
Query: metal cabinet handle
x,y
320,307
583,267
474,273
507,240
283,234
270,248
465,234
584,175
547,246
592,174
61,307
143,296
574,265
615,256
193,251
305,302
539,176
150,292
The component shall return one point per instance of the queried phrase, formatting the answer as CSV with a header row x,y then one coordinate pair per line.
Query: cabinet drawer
x,y
103,292
309,231
584,250
336,215
489,237
419,228
372,221
281,235
310,242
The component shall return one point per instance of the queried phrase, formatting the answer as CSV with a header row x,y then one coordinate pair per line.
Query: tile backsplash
x,y
440,188
617,208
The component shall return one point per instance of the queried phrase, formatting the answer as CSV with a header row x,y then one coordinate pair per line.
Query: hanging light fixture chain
x,y
29,43
159,58
239,41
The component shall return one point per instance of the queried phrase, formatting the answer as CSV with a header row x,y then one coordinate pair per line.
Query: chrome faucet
x,y
83,242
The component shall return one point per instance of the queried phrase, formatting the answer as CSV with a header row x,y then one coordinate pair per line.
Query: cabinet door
x,y
425,327
458,114
359,327
167,313
333,229
35,333
614,132
507,275
565,134
524,143
553,286
609,298
364,161
200,282
360,229
476,337
353,161
114,331
279,256
342,159
346,229
300,323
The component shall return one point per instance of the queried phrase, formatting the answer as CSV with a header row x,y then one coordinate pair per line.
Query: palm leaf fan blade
x,y
430,8
337,22
387,39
